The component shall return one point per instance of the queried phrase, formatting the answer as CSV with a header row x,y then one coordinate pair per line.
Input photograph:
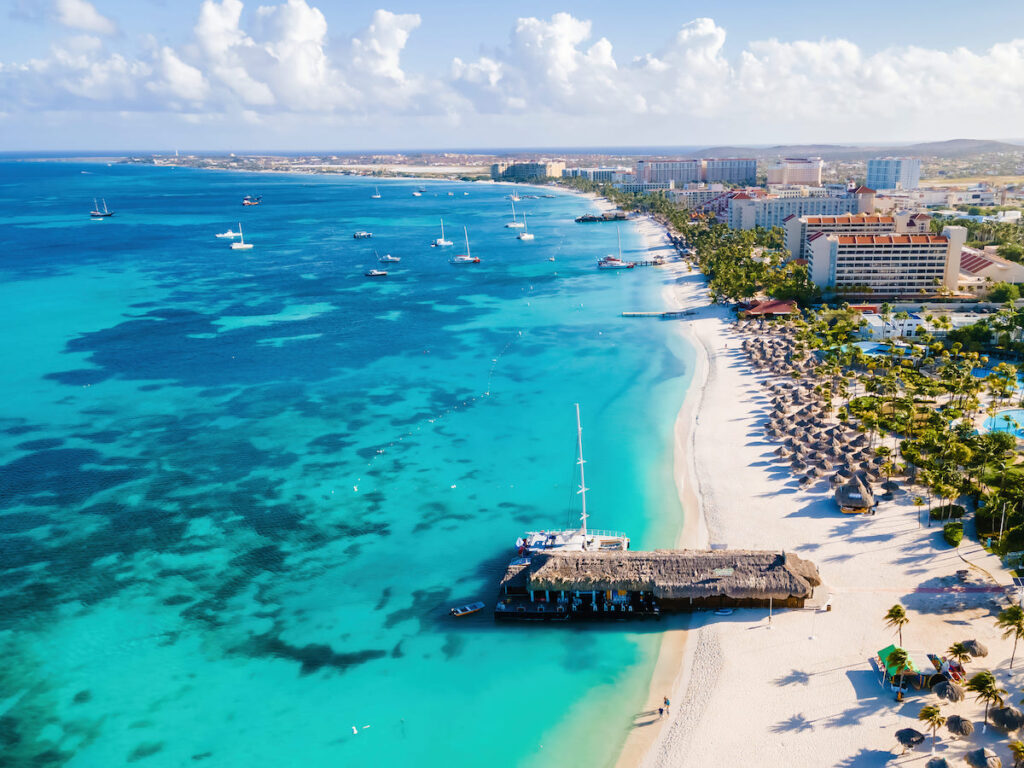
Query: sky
x,y
303,75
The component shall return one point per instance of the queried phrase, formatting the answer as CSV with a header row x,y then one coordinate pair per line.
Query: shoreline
x,y
672,663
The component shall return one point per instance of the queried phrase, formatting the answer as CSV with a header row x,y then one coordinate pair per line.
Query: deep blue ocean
x,y
240,490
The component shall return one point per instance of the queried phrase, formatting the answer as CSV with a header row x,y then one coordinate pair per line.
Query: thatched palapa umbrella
x,y
948,690
937,762
959,726
909,738
983,758
976,649
1008,718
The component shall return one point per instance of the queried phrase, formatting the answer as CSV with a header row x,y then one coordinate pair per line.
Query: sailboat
x,y
612,262
514,197
467,257
441,242
525,234
376,194
514,224
574,539
241,245
96,213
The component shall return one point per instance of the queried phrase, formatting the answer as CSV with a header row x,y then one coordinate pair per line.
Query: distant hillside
x,y
947,149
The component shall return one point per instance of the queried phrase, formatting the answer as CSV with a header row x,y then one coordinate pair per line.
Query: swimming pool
x,y
1010,420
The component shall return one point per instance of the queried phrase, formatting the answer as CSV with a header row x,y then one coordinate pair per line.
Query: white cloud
x,y
284,61
81,14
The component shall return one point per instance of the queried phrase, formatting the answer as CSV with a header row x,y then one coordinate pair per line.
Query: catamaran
x,y
573,539
525,234
96,213
241,245
376,194
441,242
514,224
467,257
612,262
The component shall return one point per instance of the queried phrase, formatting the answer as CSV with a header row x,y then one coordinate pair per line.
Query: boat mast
x,y
467,241
442,229
240,238
618,237
582,492
513,211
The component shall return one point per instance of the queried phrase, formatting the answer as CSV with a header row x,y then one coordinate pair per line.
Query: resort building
x,y
696,195
645,186
801,171
886,264
526,171
595,174
875,327
746,211
730,170
627,584
894,173
800,228
979,269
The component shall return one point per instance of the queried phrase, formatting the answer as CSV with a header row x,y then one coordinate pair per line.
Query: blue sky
x,y
305,75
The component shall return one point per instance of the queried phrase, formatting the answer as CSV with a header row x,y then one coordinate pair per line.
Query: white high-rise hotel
x,y
796,171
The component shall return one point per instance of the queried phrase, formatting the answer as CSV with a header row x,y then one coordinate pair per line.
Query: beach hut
x,y
853,497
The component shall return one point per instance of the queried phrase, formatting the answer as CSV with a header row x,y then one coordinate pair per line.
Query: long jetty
x,y
666,313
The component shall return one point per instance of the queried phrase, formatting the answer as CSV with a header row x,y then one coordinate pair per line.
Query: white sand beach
x,y
802,690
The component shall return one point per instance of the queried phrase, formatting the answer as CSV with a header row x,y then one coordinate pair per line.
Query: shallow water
x,y
241,490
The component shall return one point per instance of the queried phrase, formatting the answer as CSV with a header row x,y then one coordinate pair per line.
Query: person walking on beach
x,y
667,702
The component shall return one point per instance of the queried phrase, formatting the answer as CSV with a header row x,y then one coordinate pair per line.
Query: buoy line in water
x,y
462,404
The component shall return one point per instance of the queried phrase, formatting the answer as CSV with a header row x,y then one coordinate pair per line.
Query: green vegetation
x,y
1002,292
985,688
932,718
897,617
1011,621
953,533
948,512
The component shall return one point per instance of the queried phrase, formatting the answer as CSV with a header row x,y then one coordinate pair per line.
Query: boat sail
x,y
241,245
441,242
376,194
468,257
574,539
612,262
525,234
514,224
96,213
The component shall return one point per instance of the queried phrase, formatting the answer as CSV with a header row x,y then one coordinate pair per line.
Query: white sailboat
x,y
514,197
467,257
96,213
441,242
376,194
514,224
612,262
574,539
241,245
525,234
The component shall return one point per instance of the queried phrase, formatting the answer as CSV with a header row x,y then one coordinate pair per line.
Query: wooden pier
x,y
666,314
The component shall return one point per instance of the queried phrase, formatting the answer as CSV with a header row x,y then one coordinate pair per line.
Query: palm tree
x,y
899,659
958,652
918,503
1017,750
932,717
1011,621
986,689
897,617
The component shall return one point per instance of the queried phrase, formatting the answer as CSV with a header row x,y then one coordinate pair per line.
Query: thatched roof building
x,y
854,495
690,575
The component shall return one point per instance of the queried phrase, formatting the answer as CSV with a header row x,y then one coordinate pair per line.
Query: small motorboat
x,y
229,233
252,200
376,273
417,194
362,235
466,610
387,258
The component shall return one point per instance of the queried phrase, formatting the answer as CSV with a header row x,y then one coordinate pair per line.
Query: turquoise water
x,y
241,490
1010,420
